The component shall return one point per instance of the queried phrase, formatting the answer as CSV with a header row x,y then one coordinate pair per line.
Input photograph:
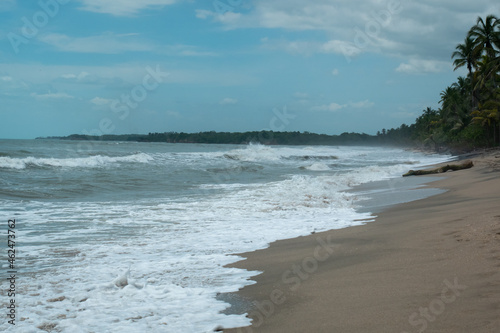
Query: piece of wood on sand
x,y
453,167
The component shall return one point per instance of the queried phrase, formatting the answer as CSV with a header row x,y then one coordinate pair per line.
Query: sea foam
x,y
82,162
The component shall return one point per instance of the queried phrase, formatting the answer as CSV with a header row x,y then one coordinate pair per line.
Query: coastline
x,y
426,265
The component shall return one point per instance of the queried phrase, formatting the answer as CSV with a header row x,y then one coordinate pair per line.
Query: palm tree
x,y
465,88
486,35
426,125
485,77
449,101
491,108
463,85
488,114
454,110
465,55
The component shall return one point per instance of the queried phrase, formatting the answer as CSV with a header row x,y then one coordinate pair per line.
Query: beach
x,y
430,265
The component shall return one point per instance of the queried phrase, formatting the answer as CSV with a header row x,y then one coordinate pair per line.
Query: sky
x,y
127,66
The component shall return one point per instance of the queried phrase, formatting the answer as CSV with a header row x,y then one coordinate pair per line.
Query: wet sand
x,y
431,265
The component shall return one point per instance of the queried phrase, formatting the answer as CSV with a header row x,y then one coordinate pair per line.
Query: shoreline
x,y
430,264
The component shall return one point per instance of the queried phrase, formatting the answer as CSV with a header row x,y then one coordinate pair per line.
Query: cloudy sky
x,y
128,66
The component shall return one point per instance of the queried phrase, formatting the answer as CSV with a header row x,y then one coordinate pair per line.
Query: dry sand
x,y
431,265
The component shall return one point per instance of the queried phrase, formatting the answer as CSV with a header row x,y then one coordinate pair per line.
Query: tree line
x,y
468,116
262,137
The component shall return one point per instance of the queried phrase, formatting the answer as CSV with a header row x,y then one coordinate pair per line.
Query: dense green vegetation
x,y
468,116
263,137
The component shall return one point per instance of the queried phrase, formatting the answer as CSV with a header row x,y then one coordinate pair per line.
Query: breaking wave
x,y
82,162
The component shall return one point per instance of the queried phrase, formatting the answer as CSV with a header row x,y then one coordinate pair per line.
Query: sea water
x,y
134,237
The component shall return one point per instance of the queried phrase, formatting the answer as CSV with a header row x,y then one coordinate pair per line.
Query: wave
x,y
316,167
82,162
238,169
314,157
15,153
256,153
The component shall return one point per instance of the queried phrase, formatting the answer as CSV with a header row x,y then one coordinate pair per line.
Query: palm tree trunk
x,y
499,133
494,133
471,79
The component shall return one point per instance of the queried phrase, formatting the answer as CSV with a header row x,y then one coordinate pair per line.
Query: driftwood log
x,y
453,167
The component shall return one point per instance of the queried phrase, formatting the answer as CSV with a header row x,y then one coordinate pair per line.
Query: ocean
x,y
134,237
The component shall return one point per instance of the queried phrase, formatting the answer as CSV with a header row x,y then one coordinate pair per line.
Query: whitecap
x,y
81,162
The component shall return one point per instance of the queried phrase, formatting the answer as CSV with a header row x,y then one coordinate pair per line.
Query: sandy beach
x,y
431,265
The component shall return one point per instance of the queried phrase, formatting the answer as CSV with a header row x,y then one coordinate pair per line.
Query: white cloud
x,y
107,43
51,96
119,77
345,48
340,47
419,66
122,7
335,72
12,84
294,47
99,101
300,15
361,104
334,107
111,43
294,15
103,80
69,76
204,14
78,77
309,47
186,50
173,114
228,101
228,18
302,98
414,29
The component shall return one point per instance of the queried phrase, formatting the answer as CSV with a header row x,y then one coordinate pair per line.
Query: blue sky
x,y
128,66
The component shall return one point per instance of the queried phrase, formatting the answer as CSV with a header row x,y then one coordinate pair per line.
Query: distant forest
x,y
468,116
262,137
